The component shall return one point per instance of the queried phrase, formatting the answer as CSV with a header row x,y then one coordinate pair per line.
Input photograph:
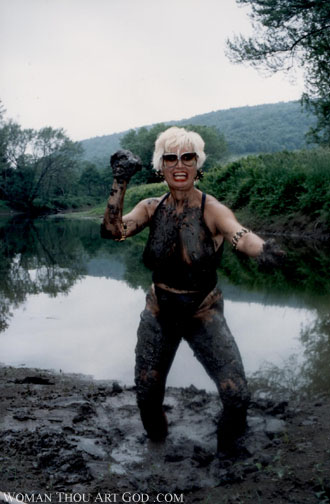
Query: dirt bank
x,y
297,226
71,434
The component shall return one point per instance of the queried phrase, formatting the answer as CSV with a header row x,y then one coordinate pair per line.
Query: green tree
x,y
91,179
37,166
289,32
215,144
142,143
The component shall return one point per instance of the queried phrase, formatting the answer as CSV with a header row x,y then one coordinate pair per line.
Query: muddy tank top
x,y
180,249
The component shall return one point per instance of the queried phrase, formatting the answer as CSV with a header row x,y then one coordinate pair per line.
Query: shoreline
x,y
296,227
71,433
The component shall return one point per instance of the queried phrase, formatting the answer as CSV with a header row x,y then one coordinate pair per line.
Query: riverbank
x,y
72,434
295,226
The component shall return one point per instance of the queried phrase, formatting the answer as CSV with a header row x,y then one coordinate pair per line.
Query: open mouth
x,y
180,176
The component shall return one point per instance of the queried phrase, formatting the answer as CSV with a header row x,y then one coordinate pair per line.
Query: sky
x,y
96,67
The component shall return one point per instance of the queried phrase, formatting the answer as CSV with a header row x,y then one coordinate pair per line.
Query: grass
x,y
132,197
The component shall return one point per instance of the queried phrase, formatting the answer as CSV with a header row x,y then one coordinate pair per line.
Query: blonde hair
x,y
179,138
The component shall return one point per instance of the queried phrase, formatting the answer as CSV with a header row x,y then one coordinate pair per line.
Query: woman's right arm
x,y
115,226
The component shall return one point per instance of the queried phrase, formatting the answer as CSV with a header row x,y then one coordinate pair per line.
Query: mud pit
x,y
69,433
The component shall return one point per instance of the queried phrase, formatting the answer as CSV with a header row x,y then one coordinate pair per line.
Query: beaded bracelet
x,y
123,231
237,236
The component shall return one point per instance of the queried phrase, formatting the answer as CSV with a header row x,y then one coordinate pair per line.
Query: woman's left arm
x,y
222,219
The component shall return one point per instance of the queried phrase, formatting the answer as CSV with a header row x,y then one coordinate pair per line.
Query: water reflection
x,y
71,300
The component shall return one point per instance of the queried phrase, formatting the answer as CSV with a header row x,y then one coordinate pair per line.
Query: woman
x,y
187,233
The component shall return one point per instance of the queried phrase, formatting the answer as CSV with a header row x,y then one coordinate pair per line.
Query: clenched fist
x,y
124,165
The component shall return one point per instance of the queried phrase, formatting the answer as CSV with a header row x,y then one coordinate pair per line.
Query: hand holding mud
x,y
124,165
272,256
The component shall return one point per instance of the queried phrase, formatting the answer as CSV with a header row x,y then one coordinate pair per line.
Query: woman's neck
x,y
182,198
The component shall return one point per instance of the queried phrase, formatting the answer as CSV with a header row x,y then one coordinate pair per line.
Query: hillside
x,y
262,128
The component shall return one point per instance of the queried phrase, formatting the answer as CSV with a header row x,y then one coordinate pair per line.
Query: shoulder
x,y
218,217
150,204
213,207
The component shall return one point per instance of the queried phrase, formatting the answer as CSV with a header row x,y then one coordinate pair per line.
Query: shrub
x,y
283,183
138,193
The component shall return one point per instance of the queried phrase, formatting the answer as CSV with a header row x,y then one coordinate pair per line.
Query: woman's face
x,y
180,174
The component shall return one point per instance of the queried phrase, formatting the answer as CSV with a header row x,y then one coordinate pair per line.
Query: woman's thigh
x,y
214,346
155,351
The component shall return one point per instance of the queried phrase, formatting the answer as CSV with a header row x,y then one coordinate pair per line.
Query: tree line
x,y
44,171
247,130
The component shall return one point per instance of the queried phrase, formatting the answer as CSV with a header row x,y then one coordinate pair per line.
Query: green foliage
x,y
99,149
288,32
91,179
275,184
142,142
138,193
41,171
132,197
37,166
262,128
215,144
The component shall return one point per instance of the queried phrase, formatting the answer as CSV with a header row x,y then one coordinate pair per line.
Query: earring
x,y
199,174
159,176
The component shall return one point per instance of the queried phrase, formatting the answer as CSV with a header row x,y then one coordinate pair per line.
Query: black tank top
x,y
180,249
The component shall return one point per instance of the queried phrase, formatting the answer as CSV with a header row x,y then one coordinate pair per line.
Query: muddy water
x,y
72,301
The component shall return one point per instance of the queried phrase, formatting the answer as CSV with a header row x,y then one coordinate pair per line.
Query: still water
x,y
71,301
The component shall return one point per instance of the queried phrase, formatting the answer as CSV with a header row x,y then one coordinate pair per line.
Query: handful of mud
x,y
124,165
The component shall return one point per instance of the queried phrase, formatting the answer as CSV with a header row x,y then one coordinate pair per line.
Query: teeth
x,y
180,176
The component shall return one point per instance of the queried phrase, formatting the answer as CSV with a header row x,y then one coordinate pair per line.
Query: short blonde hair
x,y
178,137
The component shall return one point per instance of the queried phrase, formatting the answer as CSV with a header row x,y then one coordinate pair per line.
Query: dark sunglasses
x,y
187,158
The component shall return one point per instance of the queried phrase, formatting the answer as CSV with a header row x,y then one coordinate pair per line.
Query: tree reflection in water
x,y
35,257
51,255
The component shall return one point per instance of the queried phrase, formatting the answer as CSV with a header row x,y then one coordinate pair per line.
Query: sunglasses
x,y
187,159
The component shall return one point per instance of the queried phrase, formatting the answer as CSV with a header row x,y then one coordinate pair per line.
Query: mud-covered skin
x,y
208,335
272,256
124,165
180,249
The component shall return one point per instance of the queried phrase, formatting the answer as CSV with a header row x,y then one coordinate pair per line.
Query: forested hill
x,y
262,128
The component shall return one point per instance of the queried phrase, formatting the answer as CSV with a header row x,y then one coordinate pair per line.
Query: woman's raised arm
x,y
116,227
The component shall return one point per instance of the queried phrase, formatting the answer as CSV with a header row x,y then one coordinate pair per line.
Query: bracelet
x,y
123,231
237,236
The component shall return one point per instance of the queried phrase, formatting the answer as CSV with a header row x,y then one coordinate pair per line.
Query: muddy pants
x,y
160,331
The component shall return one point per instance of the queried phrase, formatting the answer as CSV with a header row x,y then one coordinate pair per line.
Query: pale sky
x,y
96,67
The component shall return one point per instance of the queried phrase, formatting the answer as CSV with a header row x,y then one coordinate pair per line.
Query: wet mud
x,y
69,433
124,165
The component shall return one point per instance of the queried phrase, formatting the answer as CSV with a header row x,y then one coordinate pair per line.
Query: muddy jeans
x,y
206,331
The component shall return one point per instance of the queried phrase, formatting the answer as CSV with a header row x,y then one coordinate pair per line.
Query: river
x,y
71,301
